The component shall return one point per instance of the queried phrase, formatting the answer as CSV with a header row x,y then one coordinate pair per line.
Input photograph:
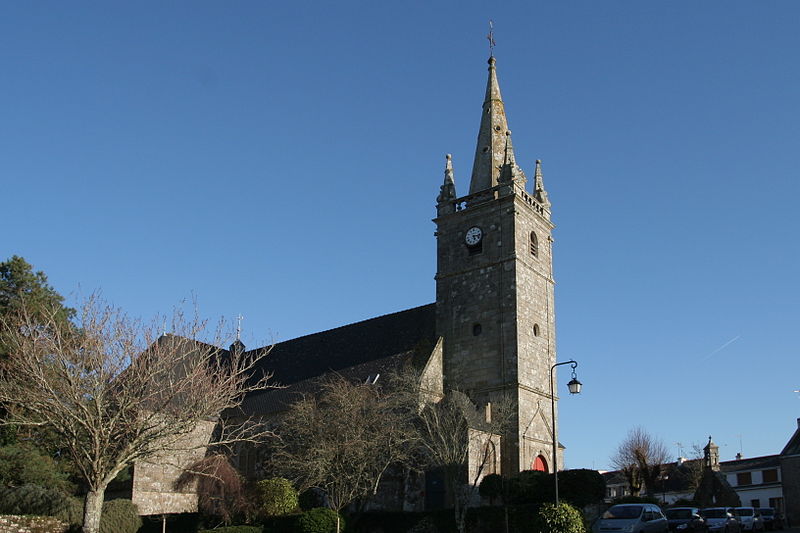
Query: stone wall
x,y
154,479
790,475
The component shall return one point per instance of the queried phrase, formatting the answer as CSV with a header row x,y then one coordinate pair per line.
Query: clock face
x,y
473,236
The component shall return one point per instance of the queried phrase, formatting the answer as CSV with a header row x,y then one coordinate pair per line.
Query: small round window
x,y
536,330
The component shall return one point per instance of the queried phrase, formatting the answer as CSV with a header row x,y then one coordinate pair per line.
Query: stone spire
x,y
538,185
447,192
493,138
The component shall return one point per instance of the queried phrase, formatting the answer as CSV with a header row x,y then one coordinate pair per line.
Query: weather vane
x,y
239,319
491,38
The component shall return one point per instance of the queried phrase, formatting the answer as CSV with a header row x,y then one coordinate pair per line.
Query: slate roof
x,y
793,446
277,400
354,344
753,463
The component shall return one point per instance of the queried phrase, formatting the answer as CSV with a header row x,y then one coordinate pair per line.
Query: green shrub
x,y
234,529
491,487
636,499
21,464
71,511
33,500
120,516
277,496
581,486
530,486
311,499
563,518
319,520
425,525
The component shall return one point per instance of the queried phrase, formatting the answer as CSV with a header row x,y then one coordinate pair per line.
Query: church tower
x,y
494,288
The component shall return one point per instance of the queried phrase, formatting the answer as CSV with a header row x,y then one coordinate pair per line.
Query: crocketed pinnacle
x,y
448,190
493,138
538,185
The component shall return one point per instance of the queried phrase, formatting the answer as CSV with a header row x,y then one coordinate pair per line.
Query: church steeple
x,y
494,138
447,192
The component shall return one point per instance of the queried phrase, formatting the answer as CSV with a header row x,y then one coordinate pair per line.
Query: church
x,y
491,331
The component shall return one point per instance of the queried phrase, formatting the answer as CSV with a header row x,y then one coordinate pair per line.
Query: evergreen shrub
x,y
277,496
234,529
120,516
491,487
319,520
581,486
311,499
33,500
563,518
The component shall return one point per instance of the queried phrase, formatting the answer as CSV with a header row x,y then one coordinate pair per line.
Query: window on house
x,y
744,478
536,330
534,244
769,476
755,503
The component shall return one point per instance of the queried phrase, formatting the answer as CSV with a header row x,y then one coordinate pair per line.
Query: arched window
x,y
534,244
490,456
540,464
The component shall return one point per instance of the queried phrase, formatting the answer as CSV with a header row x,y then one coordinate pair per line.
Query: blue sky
x,y
281,160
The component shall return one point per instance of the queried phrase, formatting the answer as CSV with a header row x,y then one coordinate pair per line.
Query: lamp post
x,y
574,388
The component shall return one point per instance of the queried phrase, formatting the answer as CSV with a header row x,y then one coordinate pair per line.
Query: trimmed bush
x,y
311,499
319,520
120,516
581,487
564,518
234,529
425,525
277,496
491,487
636,499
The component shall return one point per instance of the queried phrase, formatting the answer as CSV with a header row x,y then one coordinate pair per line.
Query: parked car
x,y
750,518
685,520
632,518
772,520
720,520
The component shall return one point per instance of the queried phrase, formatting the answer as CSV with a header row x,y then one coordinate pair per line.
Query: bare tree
x,y
464,444
640,458
116,391
343,439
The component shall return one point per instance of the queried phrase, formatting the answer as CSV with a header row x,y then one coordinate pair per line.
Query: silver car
x,y
632,518
720,520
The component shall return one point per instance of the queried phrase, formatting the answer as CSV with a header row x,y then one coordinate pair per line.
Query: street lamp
x,y
574,387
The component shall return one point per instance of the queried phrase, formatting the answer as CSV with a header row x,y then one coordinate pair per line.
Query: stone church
x,y
490,332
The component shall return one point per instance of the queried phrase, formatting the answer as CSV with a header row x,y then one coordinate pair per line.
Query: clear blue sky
x,y
281,160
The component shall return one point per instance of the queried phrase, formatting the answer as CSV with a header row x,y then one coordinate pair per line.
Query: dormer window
x,y
534,244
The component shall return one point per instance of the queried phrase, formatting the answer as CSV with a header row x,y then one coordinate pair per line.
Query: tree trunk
x,y
92,509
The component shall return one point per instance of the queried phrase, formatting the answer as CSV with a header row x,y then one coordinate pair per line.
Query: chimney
x,y
798,423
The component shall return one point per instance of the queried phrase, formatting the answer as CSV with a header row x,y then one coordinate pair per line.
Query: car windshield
x,y
713,513
673,514
744,512
623,512
768,512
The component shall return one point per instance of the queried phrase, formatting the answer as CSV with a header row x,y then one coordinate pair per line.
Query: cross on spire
x,y
491,38
239,319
